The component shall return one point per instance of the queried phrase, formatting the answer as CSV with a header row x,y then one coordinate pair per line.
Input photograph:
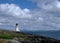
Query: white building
x,y
17,28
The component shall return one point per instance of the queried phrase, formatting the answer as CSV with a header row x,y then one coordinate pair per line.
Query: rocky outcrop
x,y
19,37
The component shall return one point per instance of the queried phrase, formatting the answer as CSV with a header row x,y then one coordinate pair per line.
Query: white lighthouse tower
x,y
17,28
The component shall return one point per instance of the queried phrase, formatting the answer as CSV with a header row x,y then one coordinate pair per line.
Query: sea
x,y
52,34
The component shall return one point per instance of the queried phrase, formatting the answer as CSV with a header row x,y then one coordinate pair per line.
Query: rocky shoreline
x,y
19,37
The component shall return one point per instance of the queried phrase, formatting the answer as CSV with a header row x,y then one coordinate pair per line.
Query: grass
x,y
20,36
6,36
10,35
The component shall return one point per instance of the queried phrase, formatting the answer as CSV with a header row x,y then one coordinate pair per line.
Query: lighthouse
x,y
17,28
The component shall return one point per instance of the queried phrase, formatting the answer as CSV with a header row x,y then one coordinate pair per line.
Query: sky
x,y
31,15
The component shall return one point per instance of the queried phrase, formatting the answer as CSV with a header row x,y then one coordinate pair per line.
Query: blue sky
x,y
32,15
21,3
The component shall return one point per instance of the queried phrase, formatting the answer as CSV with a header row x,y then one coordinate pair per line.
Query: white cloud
x,y
48,5
49,12
58,4
1,24
47,17
26,10
40,19
14,10
10,14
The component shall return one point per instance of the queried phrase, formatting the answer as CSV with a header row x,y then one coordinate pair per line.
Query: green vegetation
x,y
10,35
6,36
21,37
1,41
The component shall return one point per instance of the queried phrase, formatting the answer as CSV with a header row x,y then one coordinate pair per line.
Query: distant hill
x,y
7,36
